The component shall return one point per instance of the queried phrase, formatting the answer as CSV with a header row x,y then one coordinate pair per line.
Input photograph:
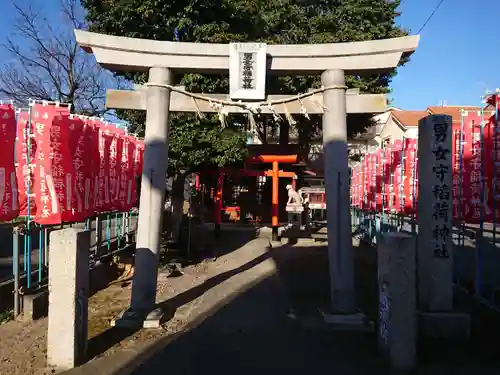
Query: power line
x,y
430,16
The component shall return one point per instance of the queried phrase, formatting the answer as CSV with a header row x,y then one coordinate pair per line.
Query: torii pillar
x,y
331,61
336,172
152,191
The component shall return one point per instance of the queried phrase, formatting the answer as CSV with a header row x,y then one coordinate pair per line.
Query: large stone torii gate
x,y
162,58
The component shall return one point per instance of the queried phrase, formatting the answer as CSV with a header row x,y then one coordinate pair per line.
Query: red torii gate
x,y
275,173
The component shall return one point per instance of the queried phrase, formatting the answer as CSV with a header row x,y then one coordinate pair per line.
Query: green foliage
x,y
269,21
196,144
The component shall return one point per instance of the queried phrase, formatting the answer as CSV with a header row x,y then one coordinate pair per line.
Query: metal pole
x,y
46,247
15,262
28,226
108,232
98,234
40,254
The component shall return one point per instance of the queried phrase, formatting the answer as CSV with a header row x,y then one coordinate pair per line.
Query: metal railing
x,y
25,248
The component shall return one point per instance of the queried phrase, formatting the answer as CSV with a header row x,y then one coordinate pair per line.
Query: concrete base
x,y
134,320
35,306
444,325
275,244
348,322
295,241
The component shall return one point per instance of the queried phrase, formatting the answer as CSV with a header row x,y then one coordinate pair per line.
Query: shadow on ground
x,y
260,330
203,244
229,241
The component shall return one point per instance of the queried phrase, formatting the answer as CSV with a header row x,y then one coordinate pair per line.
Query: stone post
x,y
397,333
68,298
336,173
435,265
152,192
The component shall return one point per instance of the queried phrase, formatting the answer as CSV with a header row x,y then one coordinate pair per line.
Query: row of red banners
x,y
387,180
68,167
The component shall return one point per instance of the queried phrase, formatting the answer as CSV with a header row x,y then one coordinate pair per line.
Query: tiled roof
x,y
454,111
409,118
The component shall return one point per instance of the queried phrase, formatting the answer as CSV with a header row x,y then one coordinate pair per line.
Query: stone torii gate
x,y
162,58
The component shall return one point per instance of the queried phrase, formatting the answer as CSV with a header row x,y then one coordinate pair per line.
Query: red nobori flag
x,y
97,196
410,187
105,141
128,188
9,203
139,157
91,130
386,177
471,168
115,160
80,147
397,177
55,176
25,171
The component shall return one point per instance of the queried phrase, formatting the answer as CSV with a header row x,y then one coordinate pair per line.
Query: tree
x,y
47,64
224,21
270,21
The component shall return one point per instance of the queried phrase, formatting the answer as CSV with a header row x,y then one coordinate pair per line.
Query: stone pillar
x,y
435,265
336,173
397,333
68,298
152,192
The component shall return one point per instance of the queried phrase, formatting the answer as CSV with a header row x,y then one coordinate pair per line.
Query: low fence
x,y
25,249
476,252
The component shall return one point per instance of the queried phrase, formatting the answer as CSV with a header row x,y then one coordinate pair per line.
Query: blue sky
x,y
457,59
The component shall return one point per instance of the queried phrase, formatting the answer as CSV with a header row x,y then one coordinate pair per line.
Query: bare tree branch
x,y
47,64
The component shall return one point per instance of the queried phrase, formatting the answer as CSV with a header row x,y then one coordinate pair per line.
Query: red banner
x,y
9,203
80,142
396,167
410,185
492,143
55,178
471,168
139,161
115,168
128,188
387,177
105,141
97,191
25,171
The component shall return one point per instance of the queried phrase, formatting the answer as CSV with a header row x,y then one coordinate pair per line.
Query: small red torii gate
x,y
275,173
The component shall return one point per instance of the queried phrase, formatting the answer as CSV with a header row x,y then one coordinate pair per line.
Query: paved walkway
x,y
256,333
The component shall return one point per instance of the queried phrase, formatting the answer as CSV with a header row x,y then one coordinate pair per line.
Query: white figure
x,y
293,196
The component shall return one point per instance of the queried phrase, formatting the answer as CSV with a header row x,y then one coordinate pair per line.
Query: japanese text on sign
x,y
441,190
